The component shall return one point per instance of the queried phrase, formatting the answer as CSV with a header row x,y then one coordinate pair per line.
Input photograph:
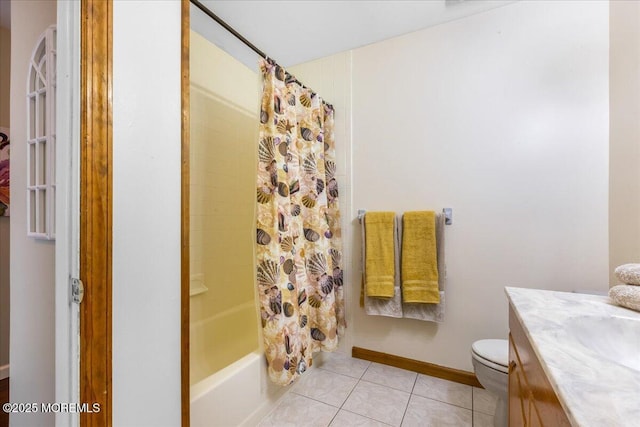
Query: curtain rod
x,y
228,27
240,37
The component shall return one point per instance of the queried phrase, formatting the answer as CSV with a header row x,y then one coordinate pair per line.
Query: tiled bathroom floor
x,y
345,392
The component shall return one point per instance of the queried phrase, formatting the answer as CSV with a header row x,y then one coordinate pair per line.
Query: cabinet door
x,y
534,417
518,405
532,400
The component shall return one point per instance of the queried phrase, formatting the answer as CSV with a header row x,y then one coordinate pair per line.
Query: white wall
x,y
624,86
32,261
146,213
502,116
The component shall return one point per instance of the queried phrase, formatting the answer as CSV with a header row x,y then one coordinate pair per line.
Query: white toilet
x,y
490,360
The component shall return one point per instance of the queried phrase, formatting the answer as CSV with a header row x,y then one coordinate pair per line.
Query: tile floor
x,y
345,392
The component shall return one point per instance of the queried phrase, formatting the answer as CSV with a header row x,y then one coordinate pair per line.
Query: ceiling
x,y
297,31
293,32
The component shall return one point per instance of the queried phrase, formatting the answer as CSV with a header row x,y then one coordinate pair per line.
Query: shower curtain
x,y
298,256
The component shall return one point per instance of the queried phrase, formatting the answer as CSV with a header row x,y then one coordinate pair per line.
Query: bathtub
x,y
221,339
238,395
239,392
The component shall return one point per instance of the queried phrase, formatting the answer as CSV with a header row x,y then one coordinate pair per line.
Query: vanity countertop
x,y
593,388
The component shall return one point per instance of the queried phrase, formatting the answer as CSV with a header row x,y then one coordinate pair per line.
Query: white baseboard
x,y
4,372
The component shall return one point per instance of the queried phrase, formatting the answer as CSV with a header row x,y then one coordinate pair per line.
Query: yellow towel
x,y
379,266
419,258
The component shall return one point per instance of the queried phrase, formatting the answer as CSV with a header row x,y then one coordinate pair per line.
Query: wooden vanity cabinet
x,y
532,401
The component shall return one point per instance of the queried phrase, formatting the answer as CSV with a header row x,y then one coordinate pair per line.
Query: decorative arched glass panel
x,y
41,138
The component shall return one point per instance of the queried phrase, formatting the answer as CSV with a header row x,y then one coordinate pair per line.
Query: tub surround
x,y
594,387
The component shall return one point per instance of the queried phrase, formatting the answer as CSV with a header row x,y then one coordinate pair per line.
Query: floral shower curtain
x,y
299,269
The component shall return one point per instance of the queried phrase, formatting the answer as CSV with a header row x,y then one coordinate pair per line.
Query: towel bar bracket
x,y
361,213
448,216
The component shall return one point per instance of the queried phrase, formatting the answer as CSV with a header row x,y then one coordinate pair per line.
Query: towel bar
x,y
448,215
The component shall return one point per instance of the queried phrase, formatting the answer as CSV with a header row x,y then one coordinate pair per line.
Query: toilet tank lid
x,y
496,351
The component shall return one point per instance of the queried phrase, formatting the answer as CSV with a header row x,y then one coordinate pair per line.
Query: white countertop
x,y
592,389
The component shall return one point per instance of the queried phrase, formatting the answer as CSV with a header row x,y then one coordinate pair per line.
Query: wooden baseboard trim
x,y
455,375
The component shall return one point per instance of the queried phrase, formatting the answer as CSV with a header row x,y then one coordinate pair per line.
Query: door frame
x,y
96,76
84,334
185,276
84,207
67,342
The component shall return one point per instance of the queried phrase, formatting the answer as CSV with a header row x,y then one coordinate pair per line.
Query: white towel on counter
x,y
626,295
629,274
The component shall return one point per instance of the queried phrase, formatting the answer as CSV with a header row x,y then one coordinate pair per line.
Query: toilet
x,y
490,360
